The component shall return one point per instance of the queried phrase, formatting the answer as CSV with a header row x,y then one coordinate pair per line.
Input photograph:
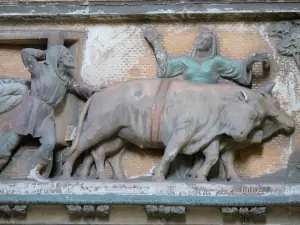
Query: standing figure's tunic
x,y
209,70
36,114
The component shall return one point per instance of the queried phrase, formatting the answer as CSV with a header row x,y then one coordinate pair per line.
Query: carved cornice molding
x,y
149,11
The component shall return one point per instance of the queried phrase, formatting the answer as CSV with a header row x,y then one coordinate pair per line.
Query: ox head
x,y
277,119
282,123
241,116
269,103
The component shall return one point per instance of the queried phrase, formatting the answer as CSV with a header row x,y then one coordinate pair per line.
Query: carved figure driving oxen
x,y
49,84
189,117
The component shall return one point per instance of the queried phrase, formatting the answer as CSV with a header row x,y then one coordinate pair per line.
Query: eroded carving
x,y
183,123
288,34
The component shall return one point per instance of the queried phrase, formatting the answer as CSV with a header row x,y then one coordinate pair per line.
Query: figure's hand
x,y
260,57
151,35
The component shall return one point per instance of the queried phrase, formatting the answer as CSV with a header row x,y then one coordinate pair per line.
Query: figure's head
x,y
60,59
66,59
204,41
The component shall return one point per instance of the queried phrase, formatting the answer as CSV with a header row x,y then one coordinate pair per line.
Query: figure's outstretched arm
x,y
161,56
30,58
258,57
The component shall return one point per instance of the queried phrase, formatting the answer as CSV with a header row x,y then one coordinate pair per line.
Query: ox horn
x,y
268,88
245,95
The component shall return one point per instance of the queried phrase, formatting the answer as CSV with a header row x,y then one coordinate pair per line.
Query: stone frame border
x,y
143,193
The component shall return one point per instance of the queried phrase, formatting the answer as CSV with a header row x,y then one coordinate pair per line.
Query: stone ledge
x,y
152,11
89,192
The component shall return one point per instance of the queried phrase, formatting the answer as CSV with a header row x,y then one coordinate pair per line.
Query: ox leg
x,y
99,154
117,166
86,166
176,143
228,161
199,161
211,154
83,145
96,133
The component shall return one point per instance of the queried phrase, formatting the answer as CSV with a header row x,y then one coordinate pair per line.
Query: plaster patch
x,y
111,52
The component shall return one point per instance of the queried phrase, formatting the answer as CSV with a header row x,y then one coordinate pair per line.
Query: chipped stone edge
x,y
148,11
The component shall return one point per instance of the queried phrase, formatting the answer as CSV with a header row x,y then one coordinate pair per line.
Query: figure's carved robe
x,y
209,70
36,114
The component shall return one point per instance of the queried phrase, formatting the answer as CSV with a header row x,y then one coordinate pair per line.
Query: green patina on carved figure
x,y
204,65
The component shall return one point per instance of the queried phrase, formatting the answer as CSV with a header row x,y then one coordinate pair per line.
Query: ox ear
x,y
243,96
268,88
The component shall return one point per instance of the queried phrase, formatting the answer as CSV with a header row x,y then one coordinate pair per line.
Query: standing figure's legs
x,y
43,157
10,142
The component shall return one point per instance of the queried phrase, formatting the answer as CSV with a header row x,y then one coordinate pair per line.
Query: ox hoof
x,y
191,175
158,178
236,179
195,176
200,177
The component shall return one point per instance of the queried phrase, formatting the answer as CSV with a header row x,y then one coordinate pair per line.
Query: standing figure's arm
x,y
161,56
168,66
238,71
30,58
257,57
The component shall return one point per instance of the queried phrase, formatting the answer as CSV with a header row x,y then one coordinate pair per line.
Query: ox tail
x,y
79,129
